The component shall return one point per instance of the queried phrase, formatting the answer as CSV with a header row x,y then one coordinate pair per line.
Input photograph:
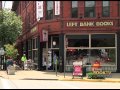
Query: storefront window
x,y
35,50
103,40
104,56
33,43
92,47
36,42
29,54
78,40
35,56
24,47
29,49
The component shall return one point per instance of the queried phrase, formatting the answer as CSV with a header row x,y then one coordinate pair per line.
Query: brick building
x,y
73,28
0,4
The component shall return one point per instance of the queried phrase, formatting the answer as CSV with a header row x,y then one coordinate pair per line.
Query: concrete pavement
x,y
50,75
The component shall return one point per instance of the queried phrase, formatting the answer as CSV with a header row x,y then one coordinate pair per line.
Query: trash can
x,y
84,71
11,70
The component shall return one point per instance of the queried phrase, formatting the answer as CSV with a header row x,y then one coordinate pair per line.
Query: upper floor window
x,y
74,9
106,9
49,14
89,8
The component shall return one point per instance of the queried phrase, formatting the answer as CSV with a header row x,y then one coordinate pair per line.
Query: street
x,y
55,84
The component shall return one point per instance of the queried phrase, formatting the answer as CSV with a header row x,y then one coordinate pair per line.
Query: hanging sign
x,y
39,10
44,35
57,7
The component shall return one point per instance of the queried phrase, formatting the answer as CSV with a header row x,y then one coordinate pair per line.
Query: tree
x,y
10,26
11,51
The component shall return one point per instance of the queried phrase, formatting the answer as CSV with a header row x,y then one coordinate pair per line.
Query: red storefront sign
x,y
77,70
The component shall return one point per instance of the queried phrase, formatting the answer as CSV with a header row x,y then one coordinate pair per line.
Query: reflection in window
x,y
89,8
49,10
104,56
106,9
78,40
74,9
103,40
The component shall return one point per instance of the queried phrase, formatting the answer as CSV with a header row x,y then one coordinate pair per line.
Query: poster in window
x,y
39,10
57,7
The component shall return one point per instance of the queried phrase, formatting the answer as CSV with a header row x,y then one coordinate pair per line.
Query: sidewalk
x,y
50,75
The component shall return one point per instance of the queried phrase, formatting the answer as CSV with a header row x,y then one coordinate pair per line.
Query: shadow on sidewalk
x,y
37,79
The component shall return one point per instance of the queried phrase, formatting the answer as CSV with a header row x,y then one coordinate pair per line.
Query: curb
x,y
90,80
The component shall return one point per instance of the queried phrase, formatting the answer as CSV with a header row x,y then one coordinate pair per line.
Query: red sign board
x,y
77,70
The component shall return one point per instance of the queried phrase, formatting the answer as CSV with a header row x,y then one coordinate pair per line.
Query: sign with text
x,y
77,70
39,10
89,23
57,7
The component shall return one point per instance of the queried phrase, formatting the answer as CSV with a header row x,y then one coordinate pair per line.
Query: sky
x,y
7,4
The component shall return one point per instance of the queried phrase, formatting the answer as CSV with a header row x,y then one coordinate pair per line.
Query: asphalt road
x,y
54,84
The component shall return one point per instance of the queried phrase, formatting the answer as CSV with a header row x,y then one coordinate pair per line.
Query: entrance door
x,y
55,56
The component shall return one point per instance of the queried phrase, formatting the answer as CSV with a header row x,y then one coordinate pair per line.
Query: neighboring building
x,y
88,28
0,4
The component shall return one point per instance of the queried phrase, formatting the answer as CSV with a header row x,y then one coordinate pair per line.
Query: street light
x,y
54,43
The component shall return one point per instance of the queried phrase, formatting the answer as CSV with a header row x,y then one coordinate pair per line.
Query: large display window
x,y
100,47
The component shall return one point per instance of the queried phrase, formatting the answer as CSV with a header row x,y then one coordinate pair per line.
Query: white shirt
x,y
77,63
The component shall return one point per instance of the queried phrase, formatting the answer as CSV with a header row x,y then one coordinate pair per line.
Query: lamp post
x,y
2,52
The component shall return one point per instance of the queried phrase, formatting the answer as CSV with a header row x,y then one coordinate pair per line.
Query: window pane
x,y
72,55
105,3
74,12
74,4
74,9
29,45
89,8
33,43
36,42
105,56
89,3
35,56
49,10
49,5
106,9
103,40
29,54
78,40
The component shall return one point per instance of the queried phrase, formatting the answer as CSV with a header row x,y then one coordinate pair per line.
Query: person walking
x,y
24,60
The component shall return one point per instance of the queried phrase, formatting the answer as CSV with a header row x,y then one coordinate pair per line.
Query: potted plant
x,y
11,54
